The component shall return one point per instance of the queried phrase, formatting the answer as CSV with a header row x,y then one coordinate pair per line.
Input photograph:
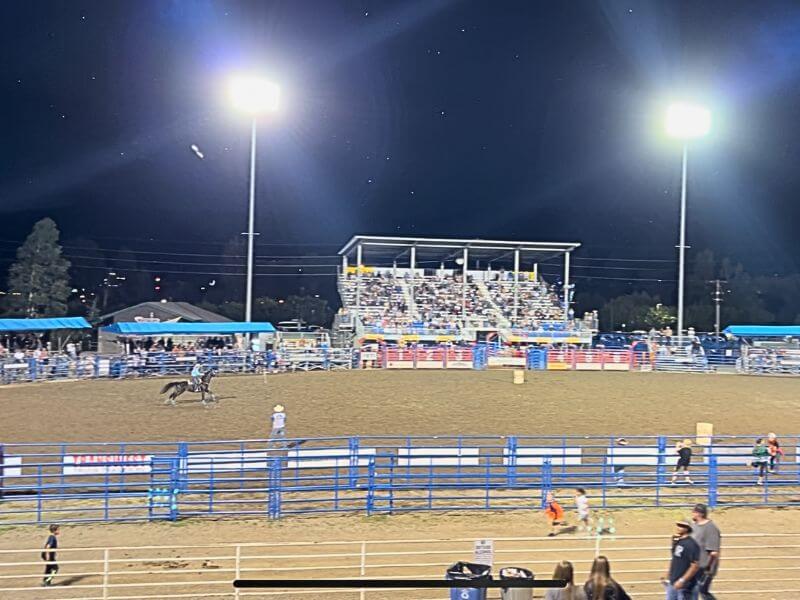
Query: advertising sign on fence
x,y
106,464
484,552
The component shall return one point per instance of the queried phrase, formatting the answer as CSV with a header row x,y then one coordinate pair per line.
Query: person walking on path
x,y
681,574
684,450
760,459
582,504
706,533
49,556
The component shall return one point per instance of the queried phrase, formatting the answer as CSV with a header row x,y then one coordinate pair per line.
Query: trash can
x,y
515,593
466,572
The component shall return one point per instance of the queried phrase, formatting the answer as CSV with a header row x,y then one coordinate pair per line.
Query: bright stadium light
x,y
254,95
687,121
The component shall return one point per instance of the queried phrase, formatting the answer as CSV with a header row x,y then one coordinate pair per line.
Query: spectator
x,y
760,459
684,450
49,556
680,578
600,585
706,533
565,571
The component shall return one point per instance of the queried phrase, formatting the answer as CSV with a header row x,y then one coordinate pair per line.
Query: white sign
x,y
219,462
12,466
327,458
484,552
369,356
437,457
102,464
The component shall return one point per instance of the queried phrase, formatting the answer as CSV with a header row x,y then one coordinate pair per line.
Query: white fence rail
x,y
754,565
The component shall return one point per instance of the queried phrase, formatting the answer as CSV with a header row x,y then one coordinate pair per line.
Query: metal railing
x,y
752,566
375,475
161,364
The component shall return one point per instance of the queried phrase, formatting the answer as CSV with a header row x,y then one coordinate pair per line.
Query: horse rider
x,y
197,375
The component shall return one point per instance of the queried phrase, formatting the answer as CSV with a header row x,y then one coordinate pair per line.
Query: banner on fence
x,y
106,464
11,466
327,458
219,462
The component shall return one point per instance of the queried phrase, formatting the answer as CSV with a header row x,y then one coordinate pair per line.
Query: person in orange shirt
x,y
554,514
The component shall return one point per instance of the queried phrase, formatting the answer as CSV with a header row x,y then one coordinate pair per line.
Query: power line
x,y
161,272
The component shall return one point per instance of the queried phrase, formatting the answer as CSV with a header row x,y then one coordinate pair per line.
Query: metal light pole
x,y
682,240
685,122
254,96
248,305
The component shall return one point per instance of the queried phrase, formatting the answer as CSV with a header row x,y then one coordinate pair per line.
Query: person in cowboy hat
x,y
278,423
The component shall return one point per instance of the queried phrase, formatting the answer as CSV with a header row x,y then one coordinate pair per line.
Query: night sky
x,y
498,119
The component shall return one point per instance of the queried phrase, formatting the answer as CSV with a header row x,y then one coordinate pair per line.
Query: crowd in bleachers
x,y
537,302
439,301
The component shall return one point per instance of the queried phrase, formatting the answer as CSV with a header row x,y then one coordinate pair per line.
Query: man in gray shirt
x,y
706,534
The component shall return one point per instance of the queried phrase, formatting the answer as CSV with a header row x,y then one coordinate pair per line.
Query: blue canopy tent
x,y
20,325
763,330
150,329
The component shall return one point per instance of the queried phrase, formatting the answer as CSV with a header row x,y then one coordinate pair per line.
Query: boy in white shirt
x,y
582,503
278,424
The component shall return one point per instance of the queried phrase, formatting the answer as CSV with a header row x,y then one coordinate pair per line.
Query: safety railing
x,y
378,475
754,565
161,364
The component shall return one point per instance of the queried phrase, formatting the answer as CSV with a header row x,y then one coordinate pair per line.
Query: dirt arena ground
x,y
405,403
415,403
780,572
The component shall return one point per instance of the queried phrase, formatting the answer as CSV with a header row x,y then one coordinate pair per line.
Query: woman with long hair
x,y
601,586
565,571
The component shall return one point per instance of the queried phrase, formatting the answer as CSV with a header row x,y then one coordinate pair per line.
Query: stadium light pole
x,y
685,122
255,97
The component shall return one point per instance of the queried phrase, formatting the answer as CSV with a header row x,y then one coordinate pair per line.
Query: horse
x,y
179,387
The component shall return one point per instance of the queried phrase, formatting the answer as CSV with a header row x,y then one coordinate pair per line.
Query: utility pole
x,y
718,293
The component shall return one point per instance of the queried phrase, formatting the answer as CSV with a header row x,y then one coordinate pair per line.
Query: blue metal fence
x,y
133,481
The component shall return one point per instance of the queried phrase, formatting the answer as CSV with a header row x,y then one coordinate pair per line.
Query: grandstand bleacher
x,y
446,296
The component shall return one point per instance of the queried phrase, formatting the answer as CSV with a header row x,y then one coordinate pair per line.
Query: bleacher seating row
x,y
441,301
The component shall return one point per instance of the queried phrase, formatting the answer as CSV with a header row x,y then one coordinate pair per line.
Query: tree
x,y
630,309
659,316
39,282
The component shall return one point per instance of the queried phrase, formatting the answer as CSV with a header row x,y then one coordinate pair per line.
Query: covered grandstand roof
x,y
44,324
229,328
763,330
393,248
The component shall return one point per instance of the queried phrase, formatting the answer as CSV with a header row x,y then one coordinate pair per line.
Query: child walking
x,y
582,504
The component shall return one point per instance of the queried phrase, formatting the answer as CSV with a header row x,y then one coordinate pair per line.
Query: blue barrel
x,y
468,572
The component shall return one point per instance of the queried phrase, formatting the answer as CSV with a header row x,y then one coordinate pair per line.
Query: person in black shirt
x,y
51,568
684,450
681,576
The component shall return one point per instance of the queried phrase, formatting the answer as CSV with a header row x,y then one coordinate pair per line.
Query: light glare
x,y
687,121
254,95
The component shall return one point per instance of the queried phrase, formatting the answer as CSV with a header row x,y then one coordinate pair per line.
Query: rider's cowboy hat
x,y
278,408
